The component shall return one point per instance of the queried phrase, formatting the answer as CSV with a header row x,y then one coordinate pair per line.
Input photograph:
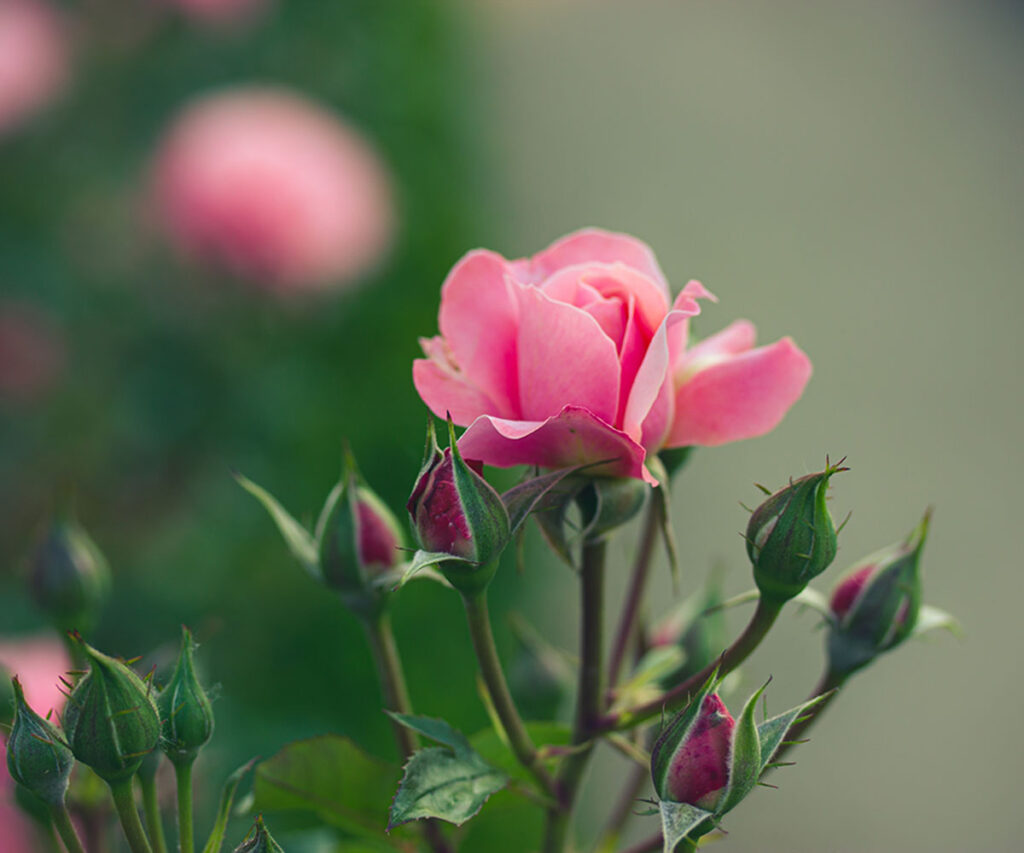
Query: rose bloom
x,y
273,188
579,354
33,59
38,662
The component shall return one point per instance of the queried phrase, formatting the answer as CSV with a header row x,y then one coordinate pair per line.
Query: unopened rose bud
x,y
111,720
876,604
259,840
37,757
186,717
455,511
358,540
690,764
68,576
791,538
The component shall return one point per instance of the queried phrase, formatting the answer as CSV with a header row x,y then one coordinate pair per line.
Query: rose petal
x,y
595,245
740,397
446,391
686,302
732,340
478,319
575,436
564,359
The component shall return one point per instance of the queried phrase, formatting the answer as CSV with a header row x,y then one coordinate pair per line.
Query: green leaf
x,y
521,500
931,619
331,777
492,749
442,784
744,757
679,820
772,732
296,537
435,729
227,798
423,560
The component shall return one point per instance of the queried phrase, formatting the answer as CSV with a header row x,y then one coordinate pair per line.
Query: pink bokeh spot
x,y
33,59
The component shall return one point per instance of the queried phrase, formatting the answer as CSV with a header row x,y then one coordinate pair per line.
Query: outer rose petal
x,y
446,392
740,397
595,245
735,338
565,358
478,318
650,378
573,437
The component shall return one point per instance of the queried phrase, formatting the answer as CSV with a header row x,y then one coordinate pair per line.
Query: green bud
x,y
69,577
358,541
186,717
456,511
259,840
791,538
111,720
876,604
609,503
37,757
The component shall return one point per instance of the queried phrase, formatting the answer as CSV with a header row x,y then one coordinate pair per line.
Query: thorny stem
x,y
151,811
634,598
479,621
589,695
66,829
186,833
396,698
124,802
760,623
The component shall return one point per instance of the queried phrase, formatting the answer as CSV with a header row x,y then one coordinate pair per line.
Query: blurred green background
x,y
849,174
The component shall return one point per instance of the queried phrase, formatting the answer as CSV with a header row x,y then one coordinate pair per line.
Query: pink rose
x,y
38,662
273,188
579,354
33,59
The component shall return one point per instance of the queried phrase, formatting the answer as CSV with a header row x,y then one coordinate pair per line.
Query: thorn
x,y
796,742
781,764
841,526
747,508
768,785
133,661
764,489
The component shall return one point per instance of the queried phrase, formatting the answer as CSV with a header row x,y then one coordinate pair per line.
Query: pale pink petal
x,y
569,286
478,319
594,245
573,437
446,392
652,375
740,397
686,302
732,340
564,359
619,281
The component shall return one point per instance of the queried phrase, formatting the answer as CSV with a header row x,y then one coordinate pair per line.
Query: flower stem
x,y
760,623
479,620
124,802
66,829
151,811
589,695
186,833
634,598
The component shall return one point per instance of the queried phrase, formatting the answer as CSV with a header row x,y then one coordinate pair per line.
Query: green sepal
x,y
299,540
772,732
662,502
37,756
449,782
608,503
259,840
484,510
744,757
932,619
424,560
227,799
679,821
523,499
675,732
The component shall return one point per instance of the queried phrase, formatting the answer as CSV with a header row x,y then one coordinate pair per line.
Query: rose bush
x,y
579,354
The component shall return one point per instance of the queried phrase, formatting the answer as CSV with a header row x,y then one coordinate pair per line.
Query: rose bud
x,y
456,511
37,757
875,606
358,541
68,576
691,764
791,538
111,719
186,718
259,840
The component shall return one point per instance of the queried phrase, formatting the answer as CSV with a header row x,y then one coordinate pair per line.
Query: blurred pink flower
x,y
33,59
273,188
219,11
578,355
38,662
31,353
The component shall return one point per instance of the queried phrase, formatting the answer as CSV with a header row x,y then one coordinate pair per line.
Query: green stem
x,y
635,596
124,802
392,678
589,695
66,829
186,833
151,811
828,686
760,623
479,620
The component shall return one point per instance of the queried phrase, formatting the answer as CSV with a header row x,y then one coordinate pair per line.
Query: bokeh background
x,y
849,174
